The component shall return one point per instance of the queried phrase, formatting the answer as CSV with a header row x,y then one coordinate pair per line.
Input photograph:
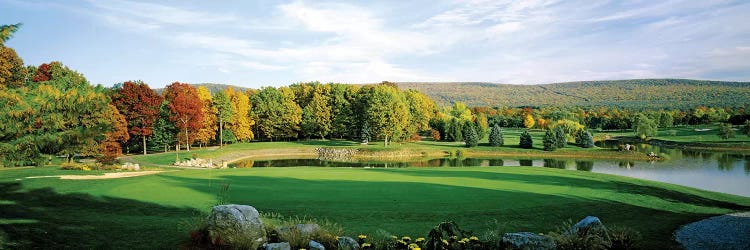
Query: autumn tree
x,y
185,108
12,71
207,132
528,121
110,148
225,112
140,106
241,121
316,116
421,110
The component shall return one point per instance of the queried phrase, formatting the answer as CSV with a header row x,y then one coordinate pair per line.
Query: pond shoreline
x,y
684,145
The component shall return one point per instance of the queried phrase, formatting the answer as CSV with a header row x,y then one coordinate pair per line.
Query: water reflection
x,y
717,171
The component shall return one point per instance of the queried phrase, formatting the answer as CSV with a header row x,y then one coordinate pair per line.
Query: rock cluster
x,y
336,153
130,166
197,162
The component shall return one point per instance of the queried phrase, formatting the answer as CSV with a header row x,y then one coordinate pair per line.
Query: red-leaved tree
x,y
185,108
140,106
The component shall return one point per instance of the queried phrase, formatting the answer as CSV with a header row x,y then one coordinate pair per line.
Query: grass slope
x,y
147,211
637,93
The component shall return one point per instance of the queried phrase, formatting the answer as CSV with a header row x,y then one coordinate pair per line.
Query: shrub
x,y
74,166
415,137
725,131
593,239
549,140
470,137
623,238
525,140
435,135
460,153
496,136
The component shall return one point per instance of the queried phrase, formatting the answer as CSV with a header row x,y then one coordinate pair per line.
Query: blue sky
x,y
274,43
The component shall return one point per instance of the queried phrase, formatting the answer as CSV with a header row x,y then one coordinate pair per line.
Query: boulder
x,y
347,243
588,224
526,240
238,226
278,246
314,245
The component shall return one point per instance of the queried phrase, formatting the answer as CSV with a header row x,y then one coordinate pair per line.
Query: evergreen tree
x,y
525,140
587,141
560,137
164,130
470,136
496,136
364,133
747,128
550,140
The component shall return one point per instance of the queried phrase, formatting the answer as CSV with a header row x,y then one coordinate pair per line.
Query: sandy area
x,y
98,177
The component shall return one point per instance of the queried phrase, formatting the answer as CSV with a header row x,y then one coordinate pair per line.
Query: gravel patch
x,y
730,231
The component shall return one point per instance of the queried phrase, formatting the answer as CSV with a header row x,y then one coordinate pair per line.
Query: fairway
x,y
152,210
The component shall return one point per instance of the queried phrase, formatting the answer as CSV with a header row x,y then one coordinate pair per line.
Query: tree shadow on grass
x,y
411,208
45,219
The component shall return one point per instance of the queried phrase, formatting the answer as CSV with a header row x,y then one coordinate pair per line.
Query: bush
x,y
550,141
725,131
470,137
496,136
74,166
594,239
525,140
623,238
415,137
435,135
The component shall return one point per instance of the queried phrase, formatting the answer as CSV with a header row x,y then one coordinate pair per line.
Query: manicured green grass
x,y
147,211
705,135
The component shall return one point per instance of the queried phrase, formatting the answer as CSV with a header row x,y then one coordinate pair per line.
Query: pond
x,y
716,171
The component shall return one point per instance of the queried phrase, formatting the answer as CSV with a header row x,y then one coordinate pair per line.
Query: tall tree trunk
x,y
385,143
187,139
221,131
144,144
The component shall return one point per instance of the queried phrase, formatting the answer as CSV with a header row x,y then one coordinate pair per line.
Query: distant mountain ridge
x,y
635,93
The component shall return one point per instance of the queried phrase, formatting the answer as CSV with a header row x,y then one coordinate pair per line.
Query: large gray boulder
x,y
347,243
238,226
278,246
314,245
588,224
527,241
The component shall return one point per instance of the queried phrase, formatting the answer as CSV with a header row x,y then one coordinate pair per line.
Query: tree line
x,y
51,109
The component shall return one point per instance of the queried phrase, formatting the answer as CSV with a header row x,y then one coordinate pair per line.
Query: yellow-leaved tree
x,y
528,121
207,132
240,123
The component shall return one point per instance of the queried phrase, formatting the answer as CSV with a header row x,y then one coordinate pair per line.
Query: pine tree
x,y
560,137
587,141
550,141
496,136
470,136
525,140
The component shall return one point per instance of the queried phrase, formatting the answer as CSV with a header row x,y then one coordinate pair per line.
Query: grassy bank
x,y
149,211
395,151
694,137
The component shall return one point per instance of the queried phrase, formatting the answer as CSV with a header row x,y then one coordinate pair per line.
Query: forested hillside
x,y
636,94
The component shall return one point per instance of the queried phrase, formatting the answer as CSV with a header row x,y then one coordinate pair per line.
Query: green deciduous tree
x,y
224,112
644,127
549,140
725,131
525,140
386,112
496,136
275,112
343,121
316,116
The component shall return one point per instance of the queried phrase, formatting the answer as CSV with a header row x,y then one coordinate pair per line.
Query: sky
x,y
276,43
